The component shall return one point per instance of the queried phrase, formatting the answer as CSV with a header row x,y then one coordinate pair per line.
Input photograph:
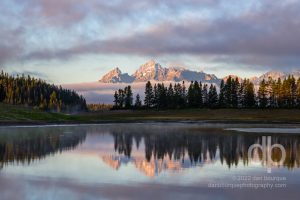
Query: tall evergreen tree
x,y
53,102
191,95
198,99
183,95
138,102
262,94
128,97
298,93
178,98
116,100
228,92
205,95
155,96
222,103
170,96
280,93
212,96
249,94
234,93
241,94
121,97
271,90
149,96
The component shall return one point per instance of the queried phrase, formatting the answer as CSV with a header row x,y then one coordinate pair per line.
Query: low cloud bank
x,y
96,92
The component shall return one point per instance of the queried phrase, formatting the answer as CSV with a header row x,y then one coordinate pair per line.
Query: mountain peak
x,y
151,62
117,69
152,70
116,76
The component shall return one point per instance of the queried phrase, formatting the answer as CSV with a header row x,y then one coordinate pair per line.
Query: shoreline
x,y
227,122
11,115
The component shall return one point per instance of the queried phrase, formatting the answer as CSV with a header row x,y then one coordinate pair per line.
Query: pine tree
x,y
170,97
43,104
138,102
198,100
241,94
298,93
183,99
161,96
271,90
121,98
53,103
155,96
212,96
249,94
262,94
234,93
116,100
191,95
228,92
128,97
293,94
178,98
280,93
222,95
205,95
149,96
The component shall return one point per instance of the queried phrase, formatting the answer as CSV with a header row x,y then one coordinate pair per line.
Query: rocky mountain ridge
x,y
153,71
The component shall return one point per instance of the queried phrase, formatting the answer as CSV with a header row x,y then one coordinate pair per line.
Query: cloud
x,y
11,45
96,92
264,35
259,33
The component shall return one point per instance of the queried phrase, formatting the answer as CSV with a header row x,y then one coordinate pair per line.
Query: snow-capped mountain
x,y
181,74
154,71
150,71
116,76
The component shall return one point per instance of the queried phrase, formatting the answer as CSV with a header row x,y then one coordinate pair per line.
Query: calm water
x,y
148,161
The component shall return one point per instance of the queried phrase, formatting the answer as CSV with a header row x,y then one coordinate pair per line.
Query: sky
x,y
73,41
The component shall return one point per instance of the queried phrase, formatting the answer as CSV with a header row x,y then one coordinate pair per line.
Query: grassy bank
x,y
23,115
26,114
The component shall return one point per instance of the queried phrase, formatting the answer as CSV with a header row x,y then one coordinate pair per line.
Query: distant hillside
x,y
25,90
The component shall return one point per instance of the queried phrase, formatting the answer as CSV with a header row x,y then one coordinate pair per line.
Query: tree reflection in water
x,y
26,145
200,146
162,146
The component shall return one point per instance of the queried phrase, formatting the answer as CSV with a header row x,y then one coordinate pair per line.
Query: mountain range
x,y
153,71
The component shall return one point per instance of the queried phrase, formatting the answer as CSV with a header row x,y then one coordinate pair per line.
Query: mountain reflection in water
x,y
159,147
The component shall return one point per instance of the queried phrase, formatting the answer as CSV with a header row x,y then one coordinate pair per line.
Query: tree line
x,y
25,90
233,93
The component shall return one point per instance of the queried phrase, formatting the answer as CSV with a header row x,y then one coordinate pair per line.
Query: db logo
x,y
266,148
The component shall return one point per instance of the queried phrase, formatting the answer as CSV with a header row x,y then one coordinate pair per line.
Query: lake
x,y
150,161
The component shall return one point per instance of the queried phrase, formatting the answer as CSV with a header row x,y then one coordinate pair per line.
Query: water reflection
x,y
29,144
181,148
151,149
